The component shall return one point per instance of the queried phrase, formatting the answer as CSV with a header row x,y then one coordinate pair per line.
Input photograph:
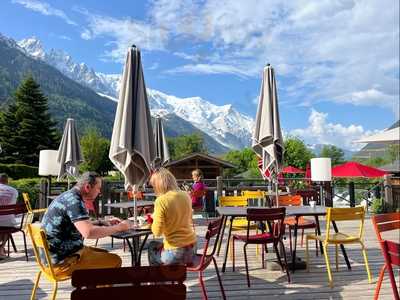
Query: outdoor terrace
x,y
17,275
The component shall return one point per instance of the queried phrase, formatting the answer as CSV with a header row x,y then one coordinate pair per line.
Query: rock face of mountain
x,y
223,123
67,98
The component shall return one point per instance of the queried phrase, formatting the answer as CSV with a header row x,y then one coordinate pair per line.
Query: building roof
x,y
197,155
393,167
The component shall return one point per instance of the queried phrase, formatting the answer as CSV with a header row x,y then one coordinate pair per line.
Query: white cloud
x,y
320,131
327,49
210,69
45,9
154,66
343,51
123,32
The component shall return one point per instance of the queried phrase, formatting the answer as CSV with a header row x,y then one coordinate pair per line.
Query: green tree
x,y
296,153
393,152
8,127
244,160
335,153
95,149
186,144
33,128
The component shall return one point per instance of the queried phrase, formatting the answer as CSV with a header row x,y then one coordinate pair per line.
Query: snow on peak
x,y
33,47
226,125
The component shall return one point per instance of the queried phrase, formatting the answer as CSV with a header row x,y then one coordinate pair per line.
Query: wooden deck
x,y
17,275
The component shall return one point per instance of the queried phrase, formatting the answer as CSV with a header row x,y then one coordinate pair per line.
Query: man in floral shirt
x,y
67,223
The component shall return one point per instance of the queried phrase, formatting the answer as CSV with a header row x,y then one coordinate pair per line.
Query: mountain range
x,y
228,127
76,90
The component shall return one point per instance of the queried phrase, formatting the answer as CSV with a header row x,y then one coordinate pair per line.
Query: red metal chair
x,y
15,209
275,219
202,261
390,249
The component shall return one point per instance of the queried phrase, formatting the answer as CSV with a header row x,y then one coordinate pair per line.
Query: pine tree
x,y
8,128
35,129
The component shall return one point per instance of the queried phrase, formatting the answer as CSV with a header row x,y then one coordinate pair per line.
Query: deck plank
x,y
17,275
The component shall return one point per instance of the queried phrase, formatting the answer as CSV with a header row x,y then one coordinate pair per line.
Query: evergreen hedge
x,y
17,171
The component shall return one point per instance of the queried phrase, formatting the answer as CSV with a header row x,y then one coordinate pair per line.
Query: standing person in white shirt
x,y
8,196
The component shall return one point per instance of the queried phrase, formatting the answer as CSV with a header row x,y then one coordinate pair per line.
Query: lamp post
x,y
48,166
321,171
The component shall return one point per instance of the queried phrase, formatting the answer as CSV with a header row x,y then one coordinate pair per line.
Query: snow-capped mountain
x,y
106,84
223,123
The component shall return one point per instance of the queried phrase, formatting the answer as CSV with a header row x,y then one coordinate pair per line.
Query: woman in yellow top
x,y
172,219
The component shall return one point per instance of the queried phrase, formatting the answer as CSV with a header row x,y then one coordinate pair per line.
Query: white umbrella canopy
x,y
132,148
267,136
390,136
162,152
69,152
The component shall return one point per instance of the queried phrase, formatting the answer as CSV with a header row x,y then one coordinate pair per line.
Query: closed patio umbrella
x,y
267,136
132,148
69,152
162,152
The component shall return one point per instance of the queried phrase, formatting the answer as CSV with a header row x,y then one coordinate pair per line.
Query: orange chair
x,y
291,221
390,249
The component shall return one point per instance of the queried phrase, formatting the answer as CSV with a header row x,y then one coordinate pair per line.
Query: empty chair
x,y
41,250
238,223
202,260
14,209
151,282
31,213
275,219
259,195
390,249
340,214
302,223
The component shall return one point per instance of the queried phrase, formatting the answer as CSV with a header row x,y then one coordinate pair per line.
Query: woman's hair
x,y
198,173
163,181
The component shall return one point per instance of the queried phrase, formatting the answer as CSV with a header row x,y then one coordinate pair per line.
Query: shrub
x,y
27,185
17,171
378,206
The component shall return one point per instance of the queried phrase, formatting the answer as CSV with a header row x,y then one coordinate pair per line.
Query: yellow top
x,y
172,218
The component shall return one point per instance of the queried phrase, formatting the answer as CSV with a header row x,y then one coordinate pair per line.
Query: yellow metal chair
x,y
31,212
238,223
41,250
254,195
337,238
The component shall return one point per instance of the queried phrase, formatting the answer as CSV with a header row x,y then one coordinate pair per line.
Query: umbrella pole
x,y
134,206
276,185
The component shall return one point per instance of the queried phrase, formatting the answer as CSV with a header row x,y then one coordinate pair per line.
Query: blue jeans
x,y
159,256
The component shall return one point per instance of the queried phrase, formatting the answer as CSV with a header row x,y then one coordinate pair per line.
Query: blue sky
x,y
336,61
